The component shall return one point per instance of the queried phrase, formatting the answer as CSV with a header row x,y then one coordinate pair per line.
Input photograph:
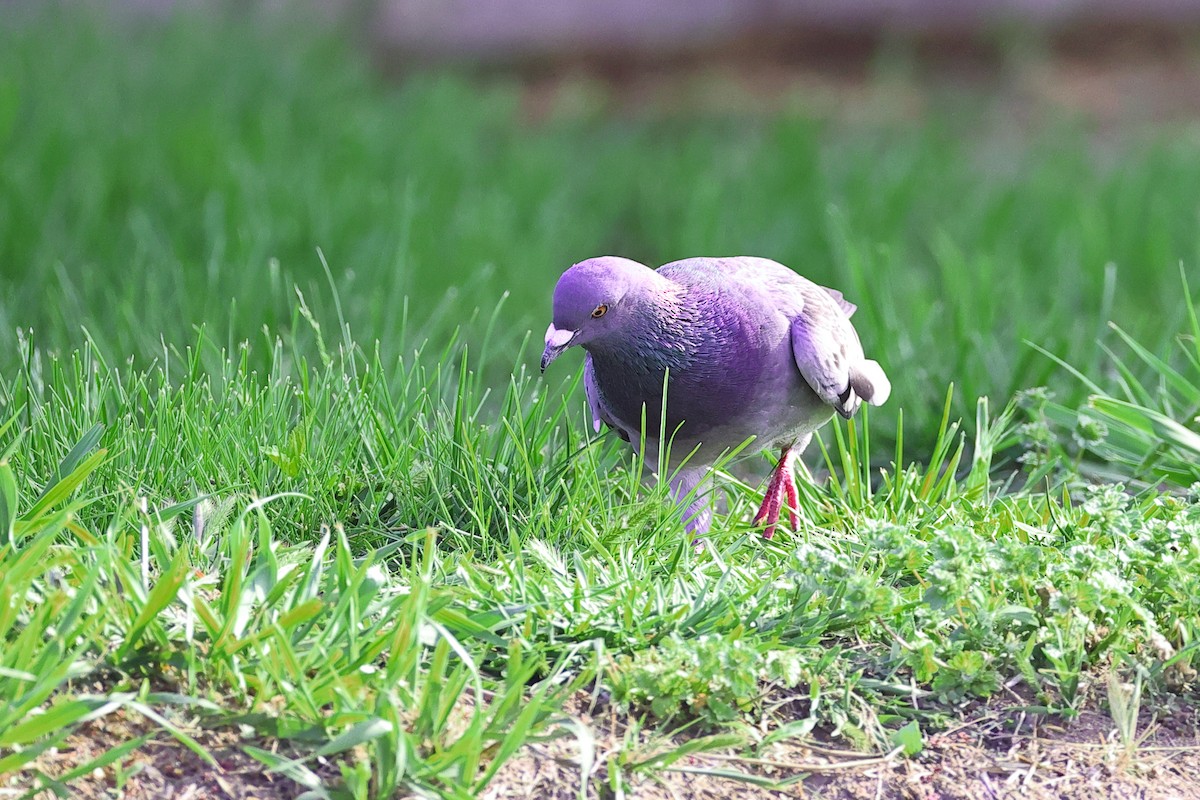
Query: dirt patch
x,y
1110,82
1114,92
995,753
161,768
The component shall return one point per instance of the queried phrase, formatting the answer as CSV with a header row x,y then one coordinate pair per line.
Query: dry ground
x,y
1115,82
162,768
995,752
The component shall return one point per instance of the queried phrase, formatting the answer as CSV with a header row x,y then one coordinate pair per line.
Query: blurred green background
x,y
166,172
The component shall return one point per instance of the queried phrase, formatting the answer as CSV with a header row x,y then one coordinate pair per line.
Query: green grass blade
x,y
8,506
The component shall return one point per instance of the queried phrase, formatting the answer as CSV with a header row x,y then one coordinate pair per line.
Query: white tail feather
x,y
870,383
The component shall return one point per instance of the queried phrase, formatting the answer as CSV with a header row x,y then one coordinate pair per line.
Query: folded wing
x,y
829,356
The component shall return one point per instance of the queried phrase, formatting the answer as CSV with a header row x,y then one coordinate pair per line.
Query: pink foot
x,y
793,498
781,486
769,511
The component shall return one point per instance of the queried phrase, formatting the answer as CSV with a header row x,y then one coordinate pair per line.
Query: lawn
x,y
285,506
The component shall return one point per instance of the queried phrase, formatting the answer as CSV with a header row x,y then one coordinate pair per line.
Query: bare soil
x,y
162,768
1114,83
995,751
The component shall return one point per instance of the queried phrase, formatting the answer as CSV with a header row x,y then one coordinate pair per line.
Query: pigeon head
x,y
593,301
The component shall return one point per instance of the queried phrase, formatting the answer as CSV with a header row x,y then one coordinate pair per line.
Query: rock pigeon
x,y
745,347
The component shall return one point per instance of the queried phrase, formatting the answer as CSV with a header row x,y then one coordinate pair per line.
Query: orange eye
x,y
599,311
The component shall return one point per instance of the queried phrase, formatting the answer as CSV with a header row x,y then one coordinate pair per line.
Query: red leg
x,y
793,500
768,512
765,509
782,485
787,461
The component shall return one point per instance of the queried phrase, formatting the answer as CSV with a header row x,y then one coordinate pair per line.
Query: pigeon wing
x,y
826,349
846,306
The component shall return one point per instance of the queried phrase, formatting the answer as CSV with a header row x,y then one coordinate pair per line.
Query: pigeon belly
x,y
750,388
781,411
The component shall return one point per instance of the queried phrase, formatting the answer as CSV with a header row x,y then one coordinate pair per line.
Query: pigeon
x,y
746,349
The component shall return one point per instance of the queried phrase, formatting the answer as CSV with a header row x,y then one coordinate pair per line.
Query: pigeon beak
x,y
556,342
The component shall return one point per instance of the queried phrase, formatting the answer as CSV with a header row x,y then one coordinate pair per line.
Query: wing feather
x,y
846,306
826,349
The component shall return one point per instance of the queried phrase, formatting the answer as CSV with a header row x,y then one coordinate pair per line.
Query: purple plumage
x,y
745,346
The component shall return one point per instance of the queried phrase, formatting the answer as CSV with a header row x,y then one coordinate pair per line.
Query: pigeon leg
x,y
782,485
695,507
793,499
768,512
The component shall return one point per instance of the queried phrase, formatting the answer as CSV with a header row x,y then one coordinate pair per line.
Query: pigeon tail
x,y
870,383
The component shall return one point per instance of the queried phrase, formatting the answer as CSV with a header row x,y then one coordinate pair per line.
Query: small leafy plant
x,y
714,679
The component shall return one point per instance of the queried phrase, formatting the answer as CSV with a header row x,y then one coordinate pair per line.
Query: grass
x,y
317,498
222,174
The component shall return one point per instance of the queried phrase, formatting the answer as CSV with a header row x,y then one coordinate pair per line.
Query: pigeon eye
x,y
599,311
